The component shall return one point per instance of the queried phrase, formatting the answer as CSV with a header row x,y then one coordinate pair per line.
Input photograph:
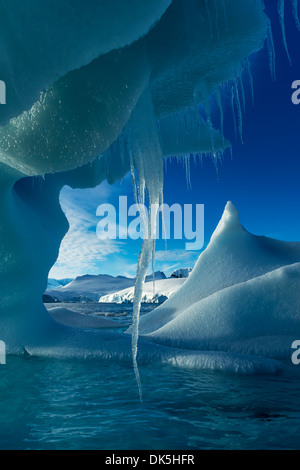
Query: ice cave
x,y
88,103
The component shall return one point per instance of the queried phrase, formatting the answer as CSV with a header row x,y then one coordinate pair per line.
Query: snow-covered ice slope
x,y
164,289
243,295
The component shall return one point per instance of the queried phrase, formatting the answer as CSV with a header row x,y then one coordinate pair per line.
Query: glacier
x,y
162,291
103,89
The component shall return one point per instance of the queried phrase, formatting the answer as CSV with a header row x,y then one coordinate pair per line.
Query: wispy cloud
x,y
81,252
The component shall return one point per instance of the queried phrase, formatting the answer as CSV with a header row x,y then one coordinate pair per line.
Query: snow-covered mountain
x,y
58,284
180,273
90,288
164,289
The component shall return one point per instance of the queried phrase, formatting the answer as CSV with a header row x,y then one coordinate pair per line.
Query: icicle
x,y
221,110
250,79
271,51
233,111
295,13
208,111
166,161
239,109
240,80
187,165
195,158
147,159
282,25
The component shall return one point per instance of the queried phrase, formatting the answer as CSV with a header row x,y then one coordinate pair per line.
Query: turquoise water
x,y
55,404
50,404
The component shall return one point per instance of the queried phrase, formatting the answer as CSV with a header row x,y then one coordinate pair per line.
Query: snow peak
x,y
2,92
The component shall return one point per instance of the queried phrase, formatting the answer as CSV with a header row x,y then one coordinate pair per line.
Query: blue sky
x,y
262,179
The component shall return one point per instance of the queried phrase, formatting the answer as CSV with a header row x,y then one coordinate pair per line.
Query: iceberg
x,y
242,296
181,273
105,89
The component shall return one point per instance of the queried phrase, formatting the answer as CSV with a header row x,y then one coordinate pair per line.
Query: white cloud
x,y
81,252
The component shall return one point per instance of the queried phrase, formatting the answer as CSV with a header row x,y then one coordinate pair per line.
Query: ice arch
x,y
178,56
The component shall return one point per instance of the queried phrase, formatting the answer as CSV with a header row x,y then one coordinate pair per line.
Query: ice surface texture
x,y
193,49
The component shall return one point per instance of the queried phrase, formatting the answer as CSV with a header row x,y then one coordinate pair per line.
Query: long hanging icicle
x,y
239,109
209,112
282,25
271,51
187,171
221,111
233,111
295,13
147,159
248,66
241,83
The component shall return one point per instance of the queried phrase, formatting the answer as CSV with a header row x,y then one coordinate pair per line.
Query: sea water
x,y
76,404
